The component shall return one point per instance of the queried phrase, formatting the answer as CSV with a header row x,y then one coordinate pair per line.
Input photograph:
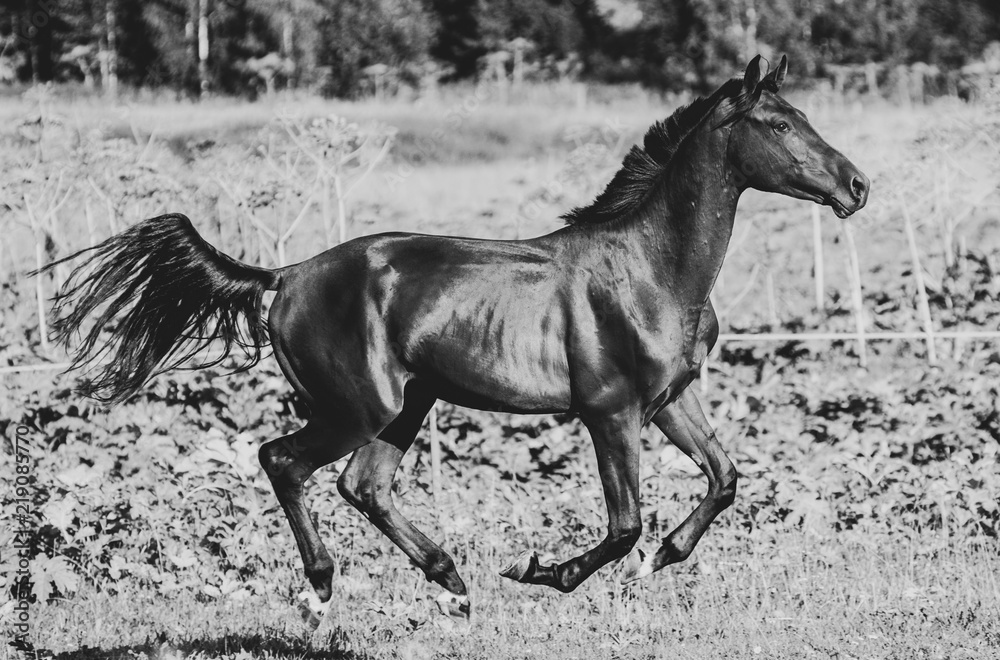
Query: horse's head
x,y
775,149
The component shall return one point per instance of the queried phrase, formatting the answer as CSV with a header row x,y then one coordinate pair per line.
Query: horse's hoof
x,y
454,606
636,566
312,610
521,567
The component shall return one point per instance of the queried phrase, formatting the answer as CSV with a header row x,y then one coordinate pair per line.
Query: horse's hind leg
x,y
289,462
367,482
684,424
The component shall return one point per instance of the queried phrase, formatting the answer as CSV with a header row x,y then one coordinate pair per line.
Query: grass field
x,y
866,519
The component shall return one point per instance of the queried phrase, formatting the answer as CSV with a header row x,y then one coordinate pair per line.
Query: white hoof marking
x,y
312,610
636,566
453,605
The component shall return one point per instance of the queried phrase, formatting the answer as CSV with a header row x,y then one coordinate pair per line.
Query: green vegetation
x,y
865,525
866,518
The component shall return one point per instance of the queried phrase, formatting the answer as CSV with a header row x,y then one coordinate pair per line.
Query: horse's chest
x,y
673,358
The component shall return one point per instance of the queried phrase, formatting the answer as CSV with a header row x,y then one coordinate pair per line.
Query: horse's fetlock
x,y
322,566
320,576
676,551
439,569
622,540
726,489
566,578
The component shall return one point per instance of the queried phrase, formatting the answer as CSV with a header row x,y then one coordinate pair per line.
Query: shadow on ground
x,y
324,647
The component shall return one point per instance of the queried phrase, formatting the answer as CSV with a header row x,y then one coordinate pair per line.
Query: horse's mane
x,y
644,166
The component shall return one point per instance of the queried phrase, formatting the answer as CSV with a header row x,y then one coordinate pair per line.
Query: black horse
x,y
607,318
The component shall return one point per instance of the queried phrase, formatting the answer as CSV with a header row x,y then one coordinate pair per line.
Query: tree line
x,y
350,47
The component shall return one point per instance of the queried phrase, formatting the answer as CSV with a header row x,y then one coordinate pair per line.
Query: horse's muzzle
x,y
857,186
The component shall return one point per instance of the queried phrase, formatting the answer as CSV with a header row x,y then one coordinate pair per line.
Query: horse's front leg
x,y
684,424
616,440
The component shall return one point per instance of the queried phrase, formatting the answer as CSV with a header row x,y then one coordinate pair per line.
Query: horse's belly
x,y
514,376
513,362
489,329
498,392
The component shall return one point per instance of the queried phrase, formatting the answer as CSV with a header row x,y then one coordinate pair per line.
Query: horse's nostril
x,y
859,186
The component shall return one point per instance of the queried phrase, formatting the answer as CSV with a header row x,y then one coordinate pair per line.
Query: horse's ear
x,y
751,77
778,74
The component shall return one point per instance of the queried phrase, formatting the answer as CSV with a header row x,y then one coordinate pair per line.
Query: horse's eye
x,y
782,127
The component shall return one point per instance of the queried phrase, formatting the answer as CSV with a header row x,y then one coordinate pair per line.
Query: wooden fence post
x,y
327,214
39,234
91,228
772,303
854,274
341,209
943,204
818,274
918,277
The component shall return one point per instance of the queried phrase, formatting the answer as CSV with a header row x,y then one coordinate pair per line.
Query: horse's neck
x,y
685,226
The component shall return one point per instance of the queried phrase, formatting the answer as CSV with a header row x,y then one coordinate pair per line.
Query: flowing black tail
x,y
186,295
